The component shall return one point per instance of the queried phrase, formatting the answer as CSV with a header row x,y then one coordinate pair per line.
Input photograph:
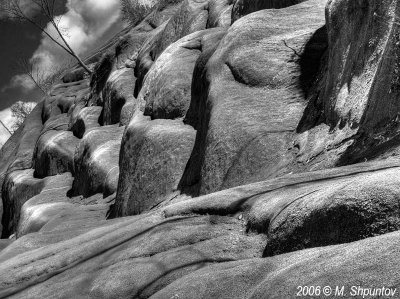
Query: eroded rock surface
x,y
221,149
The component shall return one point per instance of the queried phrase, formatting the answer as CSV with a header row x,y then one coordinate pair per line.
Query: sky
x,y
88,24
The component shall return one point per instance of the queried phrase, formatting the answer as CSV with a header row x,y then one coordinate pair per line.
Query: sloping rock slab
x,y
310,209
148,253
370,263
40,208
19,186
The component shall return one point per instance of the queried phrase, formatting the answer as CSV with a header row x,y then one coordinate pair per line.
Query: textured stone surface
x,y
249,102
167,89
63,96
352,116
55,153
18,187
154,157
331,212
255,116
96,161
189,17
245,7
372,261
85,120
35,212
187,244
118,92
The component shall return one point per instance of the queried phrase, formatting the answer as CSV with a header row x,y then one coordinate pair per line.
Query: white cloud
x,y
85,23
24,82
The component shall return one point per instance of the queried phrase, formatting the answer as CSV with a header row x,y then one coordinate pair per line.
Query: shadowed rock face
x,y
201,160
245,7
96,161
85,120
353,114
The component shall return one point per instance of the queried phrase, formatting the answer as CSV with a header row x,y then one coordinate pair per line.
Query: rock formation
x,y
221,149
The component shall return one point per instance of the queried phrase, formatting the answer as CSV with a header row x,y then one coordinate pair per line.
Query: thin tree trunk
x,y
71,51
9,132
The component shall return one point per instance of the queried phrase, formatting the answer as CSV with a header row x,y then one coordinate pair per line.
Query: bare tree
x,y
20,110
47,16
42,79
5,127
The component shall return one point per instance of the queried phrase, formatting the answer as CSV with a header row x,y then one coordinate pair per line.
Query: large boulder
x,y
189,17
55,153
250,97
167,87
117,93
328,212
58,122
7,154
219,13
52,199
62,98
31,130
154,156
231,114
96,161
53,210
18,187
86,119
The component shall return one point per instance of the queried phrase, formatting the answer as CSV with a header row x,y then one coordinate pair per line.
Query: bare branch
x,y
15,11
20,110
43,80
5,127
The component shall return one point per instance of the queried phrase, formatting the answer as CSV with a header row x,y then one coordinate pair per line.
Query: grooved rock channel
x,y
221,149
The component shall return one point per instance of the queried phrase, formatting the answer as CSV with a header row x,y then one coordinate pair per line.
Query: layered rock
x,y
372,259
255,117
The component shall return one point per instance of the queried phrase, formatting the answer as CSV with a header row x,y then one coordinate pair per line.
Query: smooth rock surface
x,y
154,157
95,159
85,120
55,153
250,100
254,117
